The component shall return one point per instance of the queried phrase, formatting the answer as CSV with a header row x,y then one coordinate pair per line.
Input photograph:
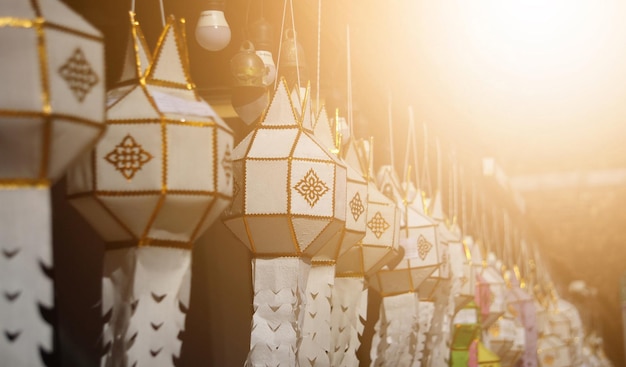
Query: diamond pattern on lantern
x,y
78,74
311,187
227,164
378,224
423,247
356,206
128,157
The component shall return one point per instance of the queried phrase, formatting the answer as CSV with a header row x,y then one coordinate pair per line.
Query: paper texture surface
x,y
279,300
425,316
397,330
25,268
145,300
314,349
345,320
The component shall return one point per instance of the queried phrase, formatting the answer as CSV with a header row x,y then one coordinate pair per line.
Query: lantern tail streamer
x,y
425,316
314,349
346,301
398,336
160,282
279,299
437,332
25,276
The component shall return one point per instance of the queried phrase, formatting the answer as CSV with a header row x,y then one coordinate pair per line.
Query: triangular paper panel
x,y
323,131
137,57
136,216
308,229
308,148
59,13
134,106
281,111
170,64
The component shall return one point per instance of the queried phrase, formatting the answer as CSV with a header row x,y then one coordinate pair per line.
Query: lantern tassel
x,y
346,327
316,334
25,276
398,329
279,297
425,316
438,333
146,293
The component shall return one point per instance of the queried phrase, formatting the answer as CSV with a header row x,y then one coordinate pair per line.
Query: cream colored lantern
x,y
328,327
501,335
159,177
497,287
52,87
284,218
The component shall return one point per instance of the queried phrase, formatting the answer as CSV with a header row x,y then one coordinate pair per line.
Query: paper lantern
x,y
520,305
286,216
159,177
445,237
502,334
552,351
325,340
462,269
466,331
493,280
51,110
418,239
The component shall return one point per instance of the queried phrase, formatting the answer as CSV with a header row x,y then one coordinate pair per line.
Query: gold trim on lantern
x,y
23,183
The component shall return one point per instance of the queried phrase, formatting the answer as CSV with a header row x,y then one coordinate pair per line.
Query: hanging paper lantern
x,y
520,305
302,201
462,269
325,339
161,175
418,239
501,334
491,278
52,109
466,331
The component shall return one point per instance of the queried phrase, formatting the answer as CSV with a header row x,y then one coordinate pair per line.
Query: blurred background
x,y
538,86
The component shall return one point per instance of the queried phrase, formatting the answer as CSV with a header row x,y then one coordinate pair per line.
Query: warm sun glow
x,y
523,68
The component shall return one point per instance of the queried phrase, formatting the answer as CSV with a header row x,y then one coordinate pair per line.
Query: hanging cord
x,y
390,130
319,47
410,148
414,141
132,5
280,44
349,80
463,213
426,168
295,42
162,12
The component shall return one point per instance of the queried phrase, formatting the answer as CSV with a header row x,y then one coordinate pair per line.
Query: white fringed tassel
x,y
25,265
279,296
398,329
346,326
314,349
145,299
438,340
424,318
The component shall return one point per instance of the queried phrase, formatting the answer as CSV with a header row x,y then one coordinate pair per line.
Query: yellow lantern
x,y
52,85
155,182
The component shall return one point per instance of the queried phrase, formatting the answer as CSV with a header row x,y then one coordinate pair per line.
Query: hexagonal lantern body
x,y
502,334
444,237
461,268
52,102
356,197
380,244
493,280
289,193
418,238
466,331
162,173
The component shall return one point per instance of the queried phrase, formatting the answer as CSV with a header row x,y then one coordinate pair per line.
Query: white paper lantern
x,y
552,351
289,202
51,110
418,239
156,181
497,289
502,334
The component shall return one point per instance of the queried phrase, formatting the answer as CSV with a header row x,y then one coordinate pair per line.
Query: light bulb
x,y
262,34
212,31
270,67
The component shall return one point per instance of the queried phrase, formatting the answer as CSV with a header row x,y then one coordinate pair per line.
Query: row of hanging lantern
x,y
321,226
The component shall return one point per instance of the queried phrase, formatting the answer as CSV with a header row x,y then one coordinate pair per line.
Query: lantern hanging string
x,y
295,42
280,44
463,212
410,148
426,166
162,13
349,80
390,130
414,141
319,47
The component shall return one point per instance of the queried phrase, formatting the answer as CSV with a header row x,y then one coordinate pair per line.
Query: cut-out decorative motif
x,y
378,224
423,247
311,187
128,157
356,206
227,164
79,75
